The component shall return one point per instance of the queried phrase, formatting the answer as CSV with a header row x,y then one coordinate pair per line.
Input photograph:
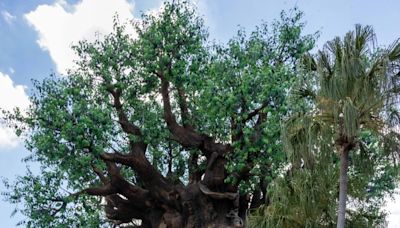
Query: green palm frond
x,y
356,98
394,51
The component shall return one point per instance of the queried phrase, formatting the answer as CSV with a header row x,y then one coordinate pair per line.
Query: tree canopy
x,y
168,129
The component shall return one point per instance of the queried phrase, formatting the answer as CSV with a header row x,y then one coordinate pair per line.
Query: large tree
x,y
161,130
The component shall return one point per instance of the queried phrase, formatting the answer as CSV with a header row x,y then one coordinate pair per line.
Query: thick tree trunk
x,y
168,204
344,164
207,201
197,207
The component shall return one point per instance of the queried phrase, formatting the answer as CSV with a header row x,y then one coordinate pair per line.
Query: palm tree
x,y
357,87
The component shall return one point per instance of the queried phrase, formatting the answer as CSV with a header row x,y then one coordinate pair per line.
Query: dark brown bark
x,y
184,108
206,201
256,199
194,171
152,179
194,206
187,136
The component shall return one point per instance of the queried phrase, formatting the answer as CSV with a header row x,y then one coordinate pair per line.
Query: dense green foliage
x,y
349,98
270,106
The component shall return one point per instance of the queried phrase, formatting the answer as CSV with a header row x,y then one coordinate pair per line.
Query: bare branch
x,y
256,111
187,137
183,107
152,179
194,172
99,173
126,125
217,195
122,210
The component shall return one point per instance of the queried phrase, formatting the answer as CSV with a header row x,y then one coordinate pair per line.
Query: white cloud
x,y
8,17
12,71
61,25
394,212
11,96
8,139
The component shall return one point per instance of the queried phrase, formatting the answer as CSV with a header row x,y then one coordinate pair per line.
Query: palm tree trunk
x,y
344,164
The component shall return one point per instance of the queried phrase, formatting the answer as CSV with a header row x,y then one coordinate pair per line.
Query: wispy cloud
x,y
11,96
8,17
12,71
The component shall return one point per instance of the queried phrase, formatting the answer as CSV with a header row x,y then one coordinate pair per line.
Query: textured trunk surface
x,y
198,208
164,201
344,164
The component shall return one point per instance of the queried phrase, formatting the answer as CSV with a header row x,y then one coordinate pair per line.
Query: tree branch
x,y
126,125
100,174
194,172
151,177
256,111
183,107
244,173
153,181
123,211
217,195
187,137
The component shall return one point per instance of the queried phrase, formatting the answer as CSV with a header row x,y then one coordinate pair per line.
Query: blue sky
x,y
36,35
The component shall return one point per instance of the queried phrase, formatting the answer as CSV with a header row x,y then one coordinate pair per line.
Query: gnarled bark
x,y
206,201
